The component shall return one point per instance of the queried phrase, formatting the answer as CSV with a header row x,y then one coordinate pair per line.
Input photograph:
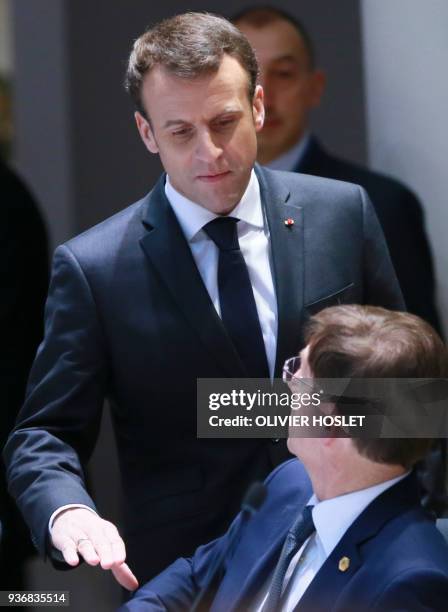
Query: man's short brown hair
x,y
262,15
353,341
188,46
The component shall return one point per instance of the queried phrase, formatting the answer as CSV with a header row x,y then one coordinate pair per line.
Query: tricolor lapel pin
x,y
289,222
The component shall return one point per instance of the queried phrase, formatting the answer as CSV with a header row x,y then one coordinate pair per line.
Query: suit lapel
x,y
261,558
166,248
287,250
330,581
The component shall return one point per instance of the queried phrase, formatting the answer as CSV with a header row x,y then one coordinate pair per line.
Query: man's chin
x,y
222,208
221,203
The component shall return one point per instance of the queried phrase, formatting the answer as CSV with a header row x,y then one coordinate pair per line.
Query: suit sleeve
x,y
175,589
56,429
381,287
419,591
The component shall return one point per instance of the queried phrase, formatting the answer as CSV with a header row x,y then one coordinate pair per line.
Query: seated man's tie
x,y
297,535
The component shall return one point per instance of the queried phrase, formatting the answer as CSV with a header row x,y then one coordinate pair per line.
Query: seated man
x,y
342,528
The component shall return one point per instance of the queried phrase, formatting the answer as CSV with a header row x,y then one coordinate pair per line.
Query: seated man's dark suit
x,y
397,558
128,318
401,217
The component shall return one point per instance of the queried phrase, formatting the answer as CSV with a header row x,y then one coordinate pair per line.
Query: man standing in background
x,y
293,87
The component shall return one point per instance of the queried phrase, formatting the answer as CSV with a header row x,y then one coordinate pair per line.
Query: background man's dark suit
x,y
23,288
401,217
398,559
129,318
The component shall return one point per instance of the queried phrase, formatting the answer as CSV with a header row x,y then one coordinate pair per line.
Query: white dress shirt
x,y
253,236
332,517
290,160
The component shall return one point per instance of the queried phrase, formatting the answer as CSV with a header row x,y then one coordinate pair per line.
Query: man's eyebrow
x,y
172,122
287,57
227,111
177,122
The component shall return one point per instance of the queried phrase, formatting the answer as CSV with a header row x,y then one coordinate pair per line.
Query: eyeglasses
x,y
290,374
291,368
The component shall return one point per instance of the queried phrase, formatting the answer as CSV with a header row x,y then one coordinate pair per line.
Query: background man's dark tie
x,y
299,532
238,308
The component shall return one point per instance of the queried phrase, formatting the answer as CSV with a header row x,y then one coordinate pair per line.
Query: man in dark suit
x,y
23,288
342,529
293,86
215,269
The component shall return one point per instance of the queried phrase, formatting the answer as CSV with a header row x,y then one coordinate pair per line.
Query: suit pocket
x,y
342,296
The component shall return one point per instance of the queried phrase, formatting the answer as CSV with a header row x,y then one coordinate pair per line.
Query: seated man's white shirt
x,y
332,517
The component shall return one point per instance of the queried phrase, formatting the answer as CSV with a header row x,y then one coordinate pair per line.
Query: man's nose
x,y
207,148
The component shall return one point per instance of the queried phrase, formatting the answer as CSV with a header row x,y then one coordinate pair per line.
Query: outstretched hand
x,y
79,532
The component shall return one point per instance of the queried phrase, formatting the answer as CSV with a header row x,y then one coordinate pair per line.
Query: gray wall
x,y
43,109
406,51
76,141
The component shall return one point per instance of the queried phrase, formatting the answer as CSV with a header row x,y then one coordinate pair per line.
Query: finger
x,y
102,547
118,551
87,551
124,576
68,550
117,544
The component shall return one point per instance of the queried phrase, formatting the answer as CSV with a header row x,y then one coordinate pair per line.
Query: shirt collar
x,y
290,160
192,217
332,517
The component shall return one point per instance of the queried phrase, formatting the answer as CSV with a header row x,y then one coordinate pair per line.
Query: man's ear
x,y
332,431
318,82
146,133
258,108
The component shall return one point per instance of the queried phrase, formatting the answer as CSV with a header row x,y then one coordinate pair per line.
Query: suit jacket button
x,y
275,440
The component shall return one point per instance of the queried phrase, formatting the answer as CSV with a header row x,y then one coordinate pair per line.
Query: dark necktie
x,y
238,309
299,532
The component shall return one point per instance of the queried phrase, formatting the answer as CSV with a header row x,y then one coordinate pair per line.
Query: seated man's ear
x,y
146,133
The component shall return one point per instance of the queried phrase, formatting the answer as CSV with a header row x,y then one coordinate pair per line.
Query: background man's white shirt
x,y
290,160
